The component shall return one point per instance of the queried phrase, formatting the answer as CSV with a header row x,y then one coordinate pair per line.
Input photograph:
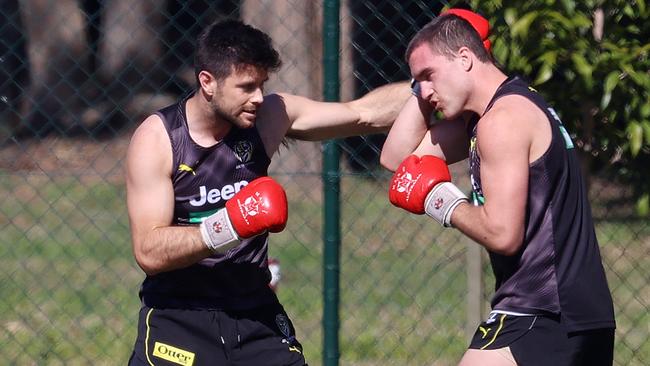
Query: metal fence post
x,y
331,190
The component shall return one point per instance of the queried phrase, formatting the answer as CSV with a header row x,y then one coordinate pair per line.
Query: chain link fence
x,y
78,76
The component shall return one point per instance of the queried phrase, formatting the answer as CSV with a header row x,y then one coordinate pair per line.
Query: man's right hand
x,y
422,185
258,207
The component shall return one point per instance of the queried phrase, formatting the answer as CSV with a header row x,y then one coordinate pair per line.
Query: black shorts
x,y
261,336
542,340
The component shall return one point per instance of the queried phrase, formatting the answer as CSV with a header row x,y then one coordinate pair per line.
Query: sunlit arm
x,y
408,132
499,223
375,112
416,131
157,246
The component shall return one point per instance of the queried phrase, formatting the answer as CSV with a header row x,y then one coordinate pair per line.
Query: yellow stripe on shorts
x,y
146,339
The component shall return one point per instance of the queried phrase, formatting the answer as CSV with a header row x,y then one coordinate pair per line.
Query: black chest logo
x,y
243,151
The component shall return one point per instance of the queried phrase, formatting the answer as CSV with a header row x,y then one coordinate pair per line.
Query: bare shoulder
x,y
289,100
507,124
514,124
149,146
150,130
273,121
512,109
288,106
513,112
273,101
296,106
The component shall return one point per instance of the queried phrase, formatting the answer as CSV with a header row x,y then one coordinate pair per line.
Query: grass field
x,y
69,283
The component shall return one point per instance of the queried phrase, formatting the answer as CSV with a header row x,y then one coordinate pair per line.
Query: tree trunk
x,y
12,71
57,51
130,54
296,30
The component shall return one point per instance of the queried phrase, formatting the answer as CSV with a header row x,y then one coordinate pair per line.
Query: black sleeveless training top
x,y
204,179
558,269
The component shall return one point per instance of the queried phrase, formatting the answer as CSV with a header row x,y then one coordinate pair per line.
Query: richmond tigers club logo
x,y
285,328
243,151
283,325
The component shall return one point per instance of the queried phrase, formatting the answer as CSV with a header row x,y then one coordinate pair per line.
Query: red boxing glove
x,y
423,185
414,179
479,23
258,207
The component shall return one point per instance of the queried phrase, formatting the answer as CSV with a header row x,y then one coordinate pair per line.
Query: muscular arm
x,y
504,148
157,246
409,132
410,135
373,113
305,119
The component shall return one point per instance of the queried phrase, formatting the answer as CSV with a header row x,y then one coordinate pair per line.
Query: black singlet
x,y
204,179
558,269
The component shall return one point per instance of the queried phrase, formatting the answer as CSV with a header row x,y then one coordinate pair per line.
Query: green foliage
x,y
590,59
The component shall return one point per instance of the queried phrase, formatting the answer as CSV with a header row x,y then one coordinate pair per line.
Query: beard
x,y
222,114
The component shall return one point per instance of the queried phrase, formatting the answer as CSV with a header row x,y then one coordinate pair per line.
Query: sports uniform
x,y
221,309
552,305
555,285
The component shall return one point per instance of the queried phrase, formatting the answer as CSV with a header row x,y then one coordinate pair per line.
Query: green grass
x,y
69,282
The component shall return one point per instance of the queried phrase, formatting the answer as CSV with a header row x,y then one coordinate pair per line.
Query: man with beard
x,y
201,205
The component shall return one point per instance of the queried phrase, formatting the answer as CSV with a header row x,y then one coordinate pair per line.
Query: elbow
x,y
387,162
392,157
148,266
501,234
507,245
146,262
506,250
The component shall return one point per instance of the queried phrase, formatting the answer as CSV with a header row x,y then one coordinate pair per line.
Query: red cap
x,y
479,23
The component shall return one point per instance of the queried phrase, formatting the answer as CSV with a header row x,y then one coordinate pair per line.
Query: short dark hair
x,y
228,44
446,34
